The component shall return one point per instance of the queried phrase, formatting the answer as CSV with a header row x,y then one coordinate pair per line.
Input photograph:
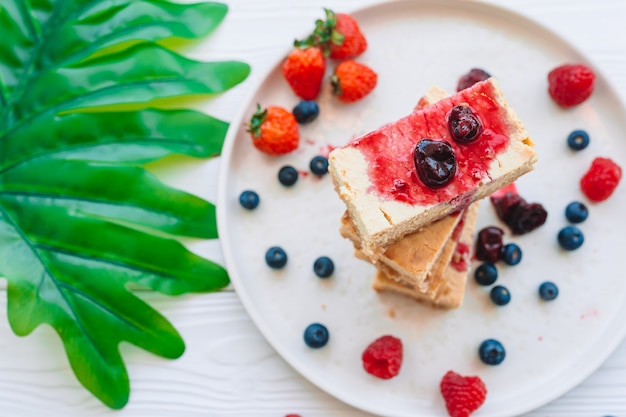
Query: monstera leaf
x,y
80,218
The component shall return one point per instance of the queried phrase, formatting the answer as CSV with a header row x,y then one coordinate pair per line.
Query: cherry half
x,y
464,124
472,77
435,162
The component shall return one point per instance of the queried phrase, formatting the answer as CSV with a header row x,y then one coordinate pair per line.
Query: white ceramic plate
x,y
550,347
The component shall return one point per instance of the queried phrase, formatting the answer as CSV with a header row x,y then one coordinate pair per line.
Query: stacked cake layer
x,y
410,187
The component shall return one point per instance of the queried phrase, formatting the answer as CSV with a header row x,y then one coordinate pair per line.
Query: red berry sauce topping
x,y
475,75
462,394
489,244
601,179
389,150
460,257
435,162
383,357
515,212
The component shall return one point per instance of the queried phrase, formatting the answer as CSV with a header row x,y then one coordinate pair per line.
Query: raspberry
x,y
462,394
570,84
601,179
383,357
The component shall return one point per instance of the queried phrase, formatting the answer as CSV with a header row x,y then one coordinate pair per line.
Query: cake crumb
x,y
323,306
392,313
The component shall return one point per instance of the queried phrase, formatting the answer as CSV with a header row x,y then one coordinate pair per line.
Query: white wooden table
x,y
228,368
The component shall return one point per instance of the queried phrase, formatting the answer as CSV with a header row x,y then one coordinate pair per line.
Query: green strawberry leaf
x,y
80,219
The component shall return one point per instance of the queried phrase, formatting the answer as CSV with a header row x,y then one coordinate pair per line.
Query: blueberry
x,y
316,335
511,254
500,295
548,291
578,140
306,111
576,212
323,267
486,274
276,257
287,176
249,199
570,238
319,165
491,352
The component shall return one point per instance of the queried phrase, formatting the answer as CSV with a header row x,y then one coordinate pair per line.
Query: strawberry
x,y
274,130
304,71
353,44
352,81
570,84
339,36
463,394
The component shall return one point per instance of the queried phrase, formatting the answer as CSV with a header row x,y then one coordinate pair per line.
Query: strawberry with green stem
x,y
274,130
352,81
339,36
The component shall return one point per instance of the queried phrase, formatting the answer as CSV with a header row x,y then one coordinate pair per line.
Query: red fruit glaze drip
x,y
460,258
511,188
389,150
456,233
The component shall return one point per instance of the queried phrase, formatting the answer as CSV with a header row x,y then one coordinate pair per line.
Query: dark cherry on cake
x,y
435,162
400,181
465,126
522,217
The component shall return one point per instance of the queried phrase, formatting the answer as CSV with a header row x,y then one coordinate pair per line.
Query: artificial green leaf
x,y
128,76
127,193
137,136
71,274
82,27
129,20
80,219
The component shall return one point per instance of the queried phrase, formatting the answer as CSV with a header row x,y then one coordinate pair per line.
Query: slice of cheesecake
x,y
386,198
452,277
